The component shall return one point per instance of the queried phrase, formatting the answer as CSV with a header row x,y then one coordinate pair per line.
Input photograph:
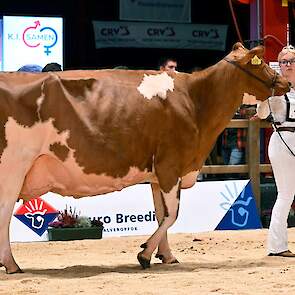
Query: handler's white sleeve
x,y
263,109
277,105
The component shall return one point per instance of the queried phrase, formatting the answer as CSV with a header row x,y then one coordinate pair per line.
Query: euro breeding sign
x,y
208,206
31,40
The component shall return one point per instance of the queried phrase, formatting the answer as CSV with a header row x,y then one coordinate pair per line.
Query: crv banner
x,y
159,35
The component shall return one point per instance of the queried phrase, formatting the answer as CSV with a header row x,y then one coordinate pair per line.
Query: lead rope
x,y
275,124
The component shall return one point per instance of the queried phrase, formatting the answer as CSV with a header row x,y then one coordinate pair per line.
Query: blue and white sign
x,y
159,35
205,207
177,11
242,213
31,40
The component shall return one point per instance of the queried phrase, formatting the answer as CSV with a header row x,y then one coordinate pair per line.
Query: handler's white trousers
x,y
283,165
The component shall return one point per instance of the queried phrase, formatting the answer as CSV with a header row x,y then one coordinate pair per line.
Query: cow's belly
x,y
50,174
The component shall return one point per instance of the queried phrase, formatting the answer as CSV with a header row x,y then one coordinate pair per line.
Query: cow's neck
x,y
216,93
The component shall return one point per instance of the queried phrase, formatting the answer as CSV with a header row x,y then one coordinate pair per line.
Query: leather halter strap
x,y
265,83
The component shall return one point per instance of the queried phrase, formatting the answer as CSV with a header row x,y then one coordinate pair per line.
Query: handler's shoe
x,y
286,253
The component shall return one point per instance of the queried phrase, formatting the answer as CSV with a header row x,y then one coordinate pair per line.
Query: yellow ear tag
x,y
256,60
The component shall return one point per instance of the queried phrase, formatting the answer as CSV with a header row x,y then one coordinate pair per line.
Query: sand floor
x,y
220,262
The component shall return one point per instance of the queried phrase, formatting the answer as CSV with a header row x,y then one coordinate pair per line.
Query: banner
x,y
159,35
177,11
31,40
205,207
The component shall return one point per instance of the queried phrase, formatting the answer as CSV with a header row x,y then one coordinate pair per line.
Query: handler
x,y
281,151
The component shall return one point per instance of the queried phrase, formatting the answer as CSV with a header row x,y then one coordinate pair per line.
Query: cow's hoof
x,y
10,272
144,262
160,256
172,260
14,271
143,246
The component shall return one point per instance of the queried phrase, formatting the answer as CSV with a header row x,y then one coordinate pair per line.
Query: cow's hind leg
x,y
6,258
171,205
164,251
10,186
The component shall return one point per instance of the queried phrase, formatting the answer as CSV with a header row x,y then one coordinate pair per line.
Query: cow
x,y
90,132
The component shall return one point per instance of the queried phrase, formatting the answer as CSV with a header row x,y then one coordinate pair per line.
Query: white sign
x,y
131,211
31,40
156,10
276,66
159,35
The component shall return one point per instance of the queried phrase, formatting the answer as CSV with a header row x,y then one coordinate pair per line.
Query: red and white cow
x,y
82,133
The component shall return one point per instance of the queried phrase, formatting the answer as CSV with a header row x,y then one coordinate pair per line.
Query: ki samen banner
x,y
31,40
160,35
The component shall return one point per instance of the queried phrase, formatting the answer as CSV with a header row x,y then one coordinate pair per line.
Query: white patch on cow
x,y
39,104
24,144
173,192
30,142
153,85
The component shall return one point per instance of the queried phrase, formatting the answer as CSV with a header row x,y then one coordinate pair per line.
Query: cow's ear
x,y
253,56
238,45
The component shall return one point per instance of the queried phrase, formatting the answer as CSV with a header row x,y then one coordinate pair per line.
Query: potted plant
x,y
71,226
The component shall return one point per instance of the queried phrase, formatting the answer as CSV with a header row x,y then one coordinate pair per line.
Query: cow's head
x,y
256,73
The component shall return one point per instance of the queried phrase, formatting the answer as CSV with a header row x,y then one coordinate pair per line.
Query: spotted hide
x,y
83,133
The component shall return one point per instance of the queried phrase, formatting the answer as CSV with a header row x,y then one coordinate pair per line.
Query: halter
x,y
265,83
272,88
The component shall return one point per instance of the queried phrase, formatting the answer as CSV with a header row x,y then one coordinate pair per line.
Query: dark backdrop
x,y
79,43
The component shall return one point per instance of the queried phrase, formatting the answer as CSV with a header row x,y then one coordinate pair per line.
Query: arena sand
x,y
220,262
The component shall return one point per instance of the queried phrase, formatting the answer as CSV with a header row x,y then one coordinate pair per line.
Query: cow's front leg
x,y
164,251
171,206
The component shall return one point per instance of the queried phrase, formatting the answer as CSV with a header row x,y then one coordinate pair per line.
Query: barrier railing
x,y
253,166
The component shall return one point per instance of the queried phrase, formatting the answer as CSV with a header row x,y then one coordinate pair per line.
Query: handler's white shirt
x,y
278,107
283,165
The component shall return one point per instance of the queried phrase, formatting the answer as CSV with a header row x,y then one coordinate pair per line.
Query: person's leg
x,y
236,157
283,163
225,152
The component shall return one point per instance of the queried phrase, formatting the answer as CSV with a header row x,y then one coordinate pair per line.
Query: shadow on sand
x,y
82,271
